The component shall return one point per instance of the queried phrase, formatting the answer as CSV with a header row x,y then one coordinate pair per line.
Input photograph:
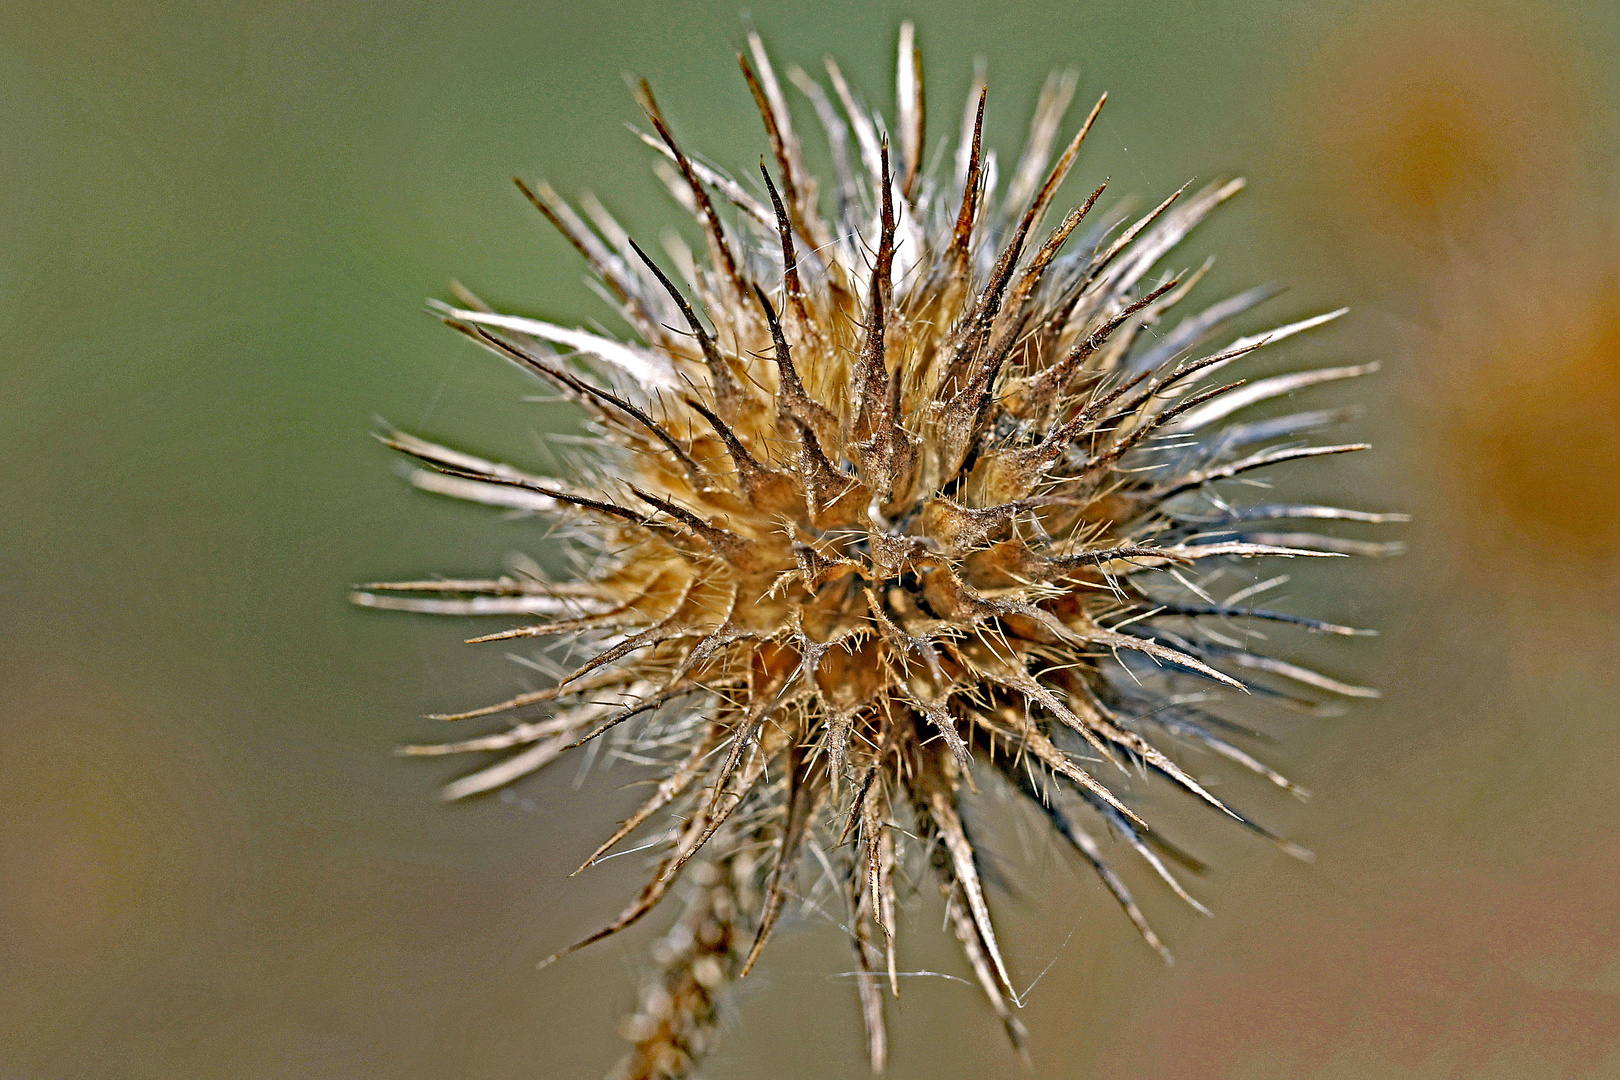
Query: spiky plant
x,y
891,496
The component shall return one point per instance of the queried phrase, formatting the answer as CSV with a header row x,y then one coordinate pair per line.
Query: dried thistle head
x,y
894,493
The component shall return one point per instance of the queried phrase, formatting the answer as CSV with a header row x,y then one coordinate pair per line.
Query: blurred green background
x,y
218,226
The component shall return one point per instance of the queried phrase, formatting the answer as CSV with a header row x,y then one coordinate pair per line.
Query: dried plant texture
x,y
896,493
678,1016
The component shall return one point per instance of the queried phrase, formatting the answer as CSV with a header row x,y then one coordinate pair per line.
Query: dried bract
x,y
895,493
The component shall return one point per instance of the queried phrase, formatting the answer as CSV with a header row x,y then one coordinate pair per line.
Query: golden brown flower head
x,y
895,491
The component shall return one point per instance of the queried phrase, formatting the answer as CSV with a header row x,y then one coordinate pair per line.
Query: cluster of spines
x,y
859,540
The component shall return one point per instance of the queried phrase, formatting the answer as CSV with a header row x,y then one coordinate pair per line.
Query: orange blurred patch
x,y
57,886
1448,169
1532,421
110,831
1423,127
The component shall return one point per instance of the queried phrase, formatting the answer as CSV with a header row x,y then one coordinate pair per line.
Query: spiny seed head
x,y
897,490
